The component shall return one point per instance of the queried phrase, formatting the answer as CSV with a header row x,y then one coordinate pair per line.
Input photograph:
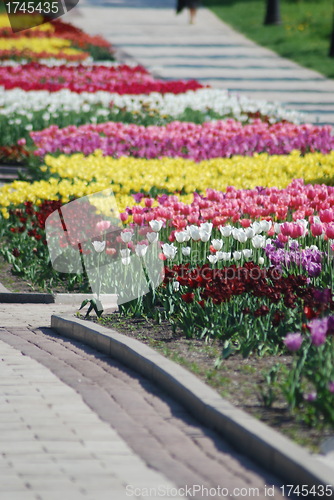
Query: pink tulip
x,y
138,219
103,225
330,232
317,229
282,238
326,215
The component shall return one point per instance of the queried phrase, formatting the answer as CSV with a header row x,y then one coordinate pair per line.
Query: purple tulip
x,y
318,329
293,341
311,396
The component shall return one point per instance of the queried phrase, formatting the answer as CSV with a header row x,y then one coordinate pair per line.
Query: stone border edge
x,y
26,298
268,448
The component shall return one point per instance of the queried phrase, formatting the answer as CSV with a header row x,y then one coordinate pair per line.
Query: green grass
x,y
303,36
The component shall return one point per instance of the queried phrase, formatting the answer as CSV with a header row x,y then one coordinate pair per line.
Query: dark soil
x,y
15,283
240,380
12,282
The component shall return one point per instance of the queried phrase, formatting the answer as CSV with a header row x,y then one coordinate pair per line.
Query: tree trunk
x,y
273,15
331,48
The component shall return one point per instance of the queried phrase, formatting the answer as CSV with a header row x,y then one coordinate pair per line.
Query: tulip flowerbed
x,y
81,78
67,177
50,43
54,39
248,280
64,108
236,196
218,139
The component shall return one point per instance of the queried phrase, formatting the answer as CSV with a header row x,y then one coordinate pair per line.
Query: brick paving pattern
x,y
76,423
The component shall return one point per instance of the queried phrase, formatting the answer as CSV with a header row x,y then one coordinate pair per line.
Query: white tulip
x,y
239,235
258,241
261,261
187,234
156,225
141,249
265,225
247,253
176,286
206,227
303,222
169,251
249,232
277,227
205,236
213,259
237,255
256,226
217,244
99,246
152,237
125,252
186,251
226,255
225,230
195,233
180,236
126,236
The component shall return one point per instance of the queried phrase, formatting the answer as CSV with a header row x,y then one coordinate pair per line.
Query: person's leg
x,y
192,12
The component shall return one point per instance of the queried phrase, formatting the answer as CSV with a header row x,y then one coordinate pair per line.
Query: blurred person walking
x,y
192,5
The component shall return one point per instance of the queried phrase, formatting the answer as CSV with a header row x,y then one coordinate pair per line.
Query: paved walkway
x,y
75,424
210,51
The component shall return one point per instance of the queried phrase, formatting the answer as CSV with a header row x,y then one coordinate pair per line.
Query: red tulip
x,y
188,297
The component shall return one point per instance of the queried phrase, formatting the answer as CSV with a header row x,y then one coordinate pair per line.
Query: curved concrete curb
x,y
109,301
276,453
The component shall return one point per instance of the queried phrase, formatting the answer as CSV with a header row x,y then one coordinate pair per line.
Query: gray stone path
x,y
53,445
76,424
209,51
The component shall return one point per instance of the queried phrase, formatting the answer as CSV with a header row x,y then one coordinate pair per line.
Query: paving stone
x,y
23,495
183,462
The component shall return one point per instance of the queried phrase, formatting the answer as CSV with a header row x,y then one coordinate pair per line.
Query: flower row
x,y
54,39
202,101
56,28
196,244
38,47
128,175
73,179
187,140
120,79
